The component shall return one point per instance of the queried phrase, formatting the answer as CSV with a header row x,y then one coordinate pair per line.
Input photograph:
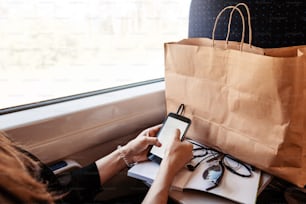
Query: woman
x,y
26,180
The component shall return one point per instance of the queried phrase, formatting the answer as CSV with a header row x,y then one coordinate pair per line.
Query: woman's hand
x,y
177,153
134,151
137,149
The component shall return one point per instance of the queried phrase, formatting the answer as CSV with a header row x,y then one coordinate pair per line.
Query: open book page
x,y
233,187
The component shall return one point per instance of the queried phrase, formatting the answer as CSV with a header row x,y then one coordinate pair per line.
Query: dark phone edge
x,y
156,158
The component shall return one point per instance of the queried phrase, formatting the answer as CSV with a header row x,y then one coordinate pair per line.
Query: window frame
x,y
107,118
76,96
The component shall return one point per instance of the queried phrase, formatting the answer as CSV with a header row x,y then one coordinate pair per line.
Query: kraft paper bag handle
x,y
228,27
249,22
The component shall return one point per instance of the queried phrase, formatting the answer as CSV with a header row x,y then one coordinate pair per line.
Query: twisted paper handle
x,y
234,8
249,22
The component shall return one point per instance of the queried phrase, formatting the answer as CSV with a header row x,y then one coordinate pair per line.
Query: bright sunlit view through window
x,y
51,49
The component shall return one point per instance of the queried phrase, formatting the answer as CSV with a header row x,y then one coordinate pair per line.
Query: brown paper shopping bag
x,y
247,101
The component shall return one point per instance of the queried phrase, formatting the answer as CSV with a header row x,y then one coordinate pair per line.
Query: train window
x,y
51,49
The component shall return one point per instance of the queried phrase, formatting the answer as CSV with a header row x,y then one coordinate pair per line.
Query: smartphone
x,y
171,123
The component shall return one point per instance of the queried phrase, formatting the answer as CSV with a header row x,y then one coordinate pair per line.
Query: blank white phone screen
x,y
165,134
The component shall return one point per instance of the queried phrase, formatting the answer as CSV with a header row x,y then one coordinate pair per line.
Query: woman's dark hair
x,y
19,176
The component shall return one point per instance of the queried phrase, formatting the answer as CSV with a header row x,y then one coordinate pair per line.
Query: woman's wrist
x,y
169,166
125,155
